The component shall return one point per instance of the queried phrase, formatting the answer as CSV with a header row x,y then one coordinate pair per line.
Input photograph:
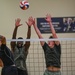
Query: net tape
x,y
59,39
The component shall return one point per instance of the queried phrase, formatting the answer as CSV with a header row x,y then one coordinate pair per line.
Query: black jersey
x,y
52,55
6,55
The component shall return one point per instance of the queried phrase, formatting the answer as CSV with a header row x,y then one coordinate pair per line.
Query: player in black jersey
x,y
52,49
6,56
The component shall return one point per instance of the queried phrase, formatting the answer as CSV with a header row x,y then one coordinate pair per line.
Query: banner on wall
x,y
61,25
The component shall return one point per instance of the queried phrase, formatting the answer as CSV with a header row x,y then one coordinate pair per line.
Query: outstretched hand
x,y
31,21
48,18
17,22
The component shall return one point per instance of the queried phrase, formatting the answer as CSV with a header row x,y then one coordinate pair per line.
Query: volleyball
x,y
24,5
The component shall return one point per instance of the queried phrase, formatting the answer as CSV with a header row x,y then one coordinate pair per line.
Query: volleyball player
x,y
6,57
52,49
20,49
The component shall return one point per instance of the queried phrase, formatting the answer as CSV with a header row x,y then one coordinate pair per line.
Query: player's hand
x,y
48,18
17,22
31,21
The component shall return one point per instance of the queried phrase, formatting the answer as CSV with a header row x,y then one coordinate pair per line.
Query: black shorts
x,y
9,70
22,72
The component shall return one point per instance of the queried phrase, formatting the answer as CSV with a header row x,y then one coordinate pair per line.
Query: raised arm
x,y
37,30
17,24
48,19
27,43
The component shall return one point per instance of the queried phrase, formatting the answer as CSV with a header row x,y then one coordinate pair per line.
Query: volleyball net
x,y
36,60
